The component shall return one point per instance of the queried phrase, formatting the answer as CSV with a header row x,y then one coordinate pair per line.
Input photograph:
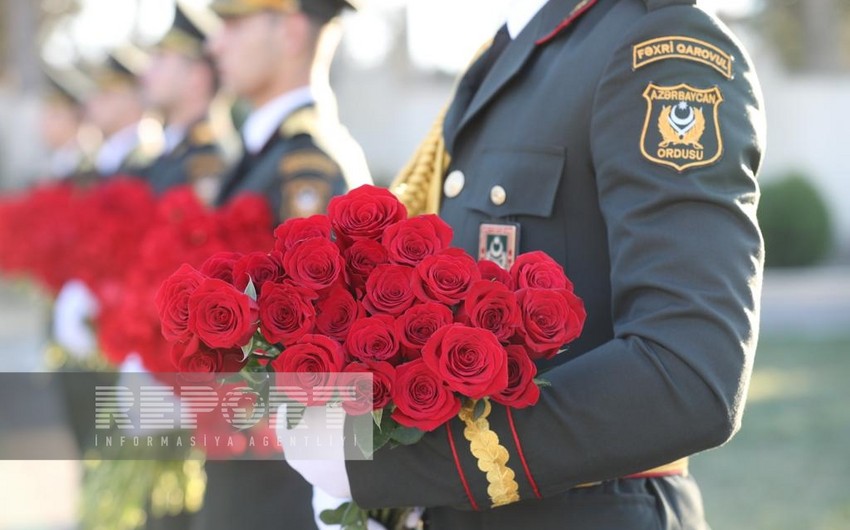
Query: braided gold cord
x,y
492,456
418,183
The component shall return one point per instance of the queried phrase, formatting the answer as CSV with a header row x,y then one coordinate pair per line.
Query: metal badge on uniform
x,y
499,242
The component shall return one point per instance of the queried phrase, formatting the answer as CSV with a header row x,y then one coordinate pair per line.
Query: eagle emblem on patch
x,y
682,129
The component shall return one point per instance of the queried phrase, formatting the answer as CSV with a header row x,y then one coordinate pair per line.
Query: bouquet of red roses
x,y
364,289
179,229
57,232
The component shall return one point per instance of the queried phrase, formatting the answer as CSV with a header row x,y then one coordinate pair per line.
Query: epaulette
x,y
652,5
202,134
302,121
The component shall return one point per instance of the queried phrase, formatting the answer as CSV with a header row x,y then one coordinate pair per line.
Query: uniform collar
x,y
116,149
264,121
173,136
520,13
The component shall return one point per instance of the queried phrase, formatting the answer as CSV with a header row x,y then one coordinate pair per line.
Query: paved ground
x,y
42,495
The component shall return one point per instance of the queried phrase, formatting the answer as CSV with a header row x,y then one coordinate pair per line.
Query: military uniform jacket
x,y
196,161
625,136
298,170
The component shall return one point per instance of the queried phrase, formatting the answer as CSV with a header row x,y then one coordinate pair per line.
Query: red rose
x,y
550,319
522,391
299,229
538,270
336,311
445,277
178,204
196,357
220,265
490,271
246,223
222,316
361,258
372,339
410,241
470,360
418,323
422,400
314,263
369,393
172,302
492,306
286,312
389,290
364,213
310,364
258,267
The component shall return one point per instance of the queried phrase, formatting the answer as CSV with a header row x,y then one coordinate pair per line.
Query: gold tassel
x,y
418,184
492,456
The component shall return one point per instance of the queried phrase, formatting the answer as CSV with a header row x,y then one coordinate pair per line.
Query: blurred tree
x,y
810,35
795,221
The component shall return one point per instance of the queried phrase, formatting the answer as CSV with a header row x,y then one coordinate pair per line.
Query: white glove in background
x,y
75,306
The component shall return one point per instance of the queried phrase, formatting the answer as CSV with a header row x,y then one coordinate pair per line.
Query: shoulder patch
x,y
304,197
686,48
302,121
308,162
682,128
203,166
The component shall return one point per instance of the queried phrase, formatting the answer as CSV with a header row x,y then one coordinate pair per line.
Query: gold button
x,y
454,184
498,195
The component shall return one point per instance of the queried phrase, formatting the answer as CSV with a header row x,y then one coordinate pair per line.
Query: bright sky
x,y
437,41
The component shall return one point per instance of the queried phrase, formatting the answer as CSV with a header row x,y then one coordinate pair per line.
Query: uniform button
x,y
498,195
454,184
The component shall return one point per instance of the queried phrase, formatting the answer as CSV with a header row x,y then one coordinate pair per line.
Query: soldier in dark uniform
x,y
61,120
181,83
117,108
296,152
298,156
623,137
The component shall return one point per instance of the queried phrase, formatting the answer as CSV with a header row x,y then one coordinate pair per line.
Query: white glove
x,y
134,375
315,450
75,306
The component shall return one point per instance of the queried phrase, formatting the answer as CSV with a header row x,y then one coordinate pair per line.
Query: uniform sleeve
x,y
676,141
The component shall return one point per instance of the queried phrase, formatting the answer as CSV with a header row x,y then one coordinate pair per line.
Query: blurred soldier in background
x,y
116,108
276,54
181,83
61,121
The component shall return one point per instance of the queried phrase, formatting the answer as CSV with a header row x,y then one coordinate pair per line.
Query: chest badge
x,y
682,129
499,242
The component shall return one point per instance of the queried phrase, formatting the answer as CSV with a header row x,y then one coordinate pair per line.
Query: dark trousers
x,y
668,503
255,495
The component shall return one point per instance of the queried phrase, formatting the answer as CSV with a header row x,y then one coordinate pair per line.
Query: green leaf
x,y
382,434
247,349
354,517
334,516
407,435
542,383
377,415
479,409
251,290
